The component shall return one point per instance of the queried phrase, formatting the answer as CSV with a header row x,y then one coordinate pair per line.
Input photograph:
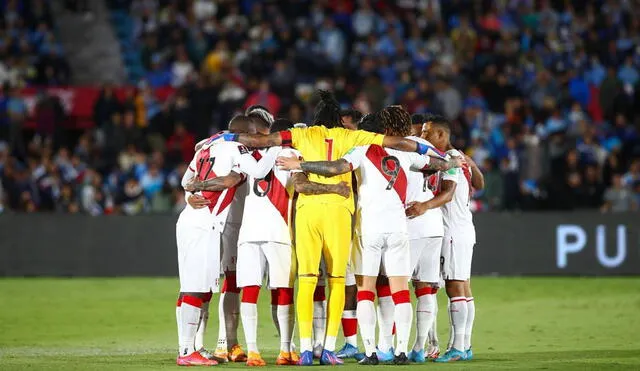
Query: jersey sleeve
x,y
419,162
355,156
295,137
247,164
288,152
190,173
356,138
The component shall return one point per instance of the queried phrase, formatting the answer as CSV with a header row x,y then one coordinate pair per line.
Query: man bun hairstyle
x,y
327,111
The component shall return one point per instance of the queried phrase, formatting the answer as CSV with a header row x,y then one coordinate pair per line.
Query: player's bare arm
x,y
215,184
260,140
303,185
477,178
436,164
447,190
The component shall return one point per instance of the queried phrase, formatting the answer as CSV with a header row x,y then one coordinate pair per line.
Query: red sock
x,y
230,284
285,296
318,294
250,294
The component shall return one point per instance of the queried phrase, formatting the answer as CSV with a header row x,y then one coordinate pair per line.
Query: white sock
x,y
285,323
458,310
386,310
319,323
366,314
306,345
425,316
352,339
178,322
451,333
330,343
231,308
471,315
249,314
433,330
403,317
202,326
189,319
222,326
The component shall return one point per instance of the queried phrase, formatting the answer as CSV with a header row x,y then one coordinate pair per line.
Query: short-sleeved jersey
x,y
219,159
428,224
267,208
382,186
457,216
319,143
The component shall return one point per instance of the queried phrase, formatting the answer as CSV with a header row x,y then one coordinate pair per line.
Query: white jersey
x,y
428,224
382,186
215,160
457,217
267,206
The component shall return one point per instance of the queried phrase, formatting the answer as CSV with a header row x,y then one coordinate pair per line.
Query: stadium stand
x,y
544,95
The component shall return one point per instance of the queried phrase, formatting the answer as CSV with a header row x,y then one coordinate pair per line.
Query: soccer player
x,y
350,118
322,221
198,235
417,120
382,229
459,239
228,347
265,244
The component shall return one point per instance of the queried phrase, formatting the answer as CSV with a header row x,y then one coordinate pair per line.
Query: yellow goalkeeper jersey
x,y
319,143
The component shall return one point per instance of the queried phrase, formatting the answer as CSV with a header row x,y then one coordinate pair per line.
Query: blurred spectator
x,y
617,198
180,145
106,105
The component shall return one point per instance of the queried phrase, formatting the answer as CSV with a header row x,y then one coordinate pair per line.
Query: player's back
x,y
319,143
418,190
268,203
457,215
382,188
216,160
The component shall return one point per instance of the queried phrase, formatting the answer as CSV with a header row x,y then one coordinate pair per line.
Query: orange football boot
x,y
236,354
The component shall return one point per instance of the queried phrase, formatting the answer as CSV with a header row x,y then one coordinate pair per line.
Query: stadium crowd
x,y
544,95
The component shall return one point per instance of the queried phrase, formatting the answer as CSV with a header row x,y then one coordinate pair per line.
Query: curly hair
x,y
395,120
327,111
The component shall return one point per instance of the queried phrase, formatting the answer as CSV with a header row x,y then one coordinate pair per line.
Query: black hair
x,y
371,123
281,124
241,120
417,119
260,114
327,111
395,120
438,120
353,113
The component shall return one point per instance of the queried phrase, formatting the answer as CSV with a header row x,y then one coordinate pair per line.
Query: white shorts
x,y
389,249
457,253
350,278
425,257
198,258
257,259
229,243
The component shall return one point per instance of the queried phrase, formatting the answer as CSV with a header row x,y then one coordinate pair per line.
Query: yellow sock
x,y
335,306
304,309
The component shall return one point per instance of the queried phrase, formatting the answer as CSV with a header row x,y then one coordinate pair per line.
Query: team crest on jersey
x,y
243,149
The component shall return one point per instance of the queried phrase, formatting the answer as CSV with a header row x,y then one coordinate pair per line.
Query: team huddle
x,y
361,205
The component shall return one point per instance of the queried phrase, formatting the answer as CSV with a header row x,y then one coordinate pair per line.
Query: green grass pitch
x,y
129,324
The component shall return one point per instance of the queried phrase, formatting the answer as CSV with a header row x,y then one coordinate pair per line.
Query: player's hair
x,y
395,120
353,113
438,121
371,123
417,119
327,111
281,124
261,114
246,121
